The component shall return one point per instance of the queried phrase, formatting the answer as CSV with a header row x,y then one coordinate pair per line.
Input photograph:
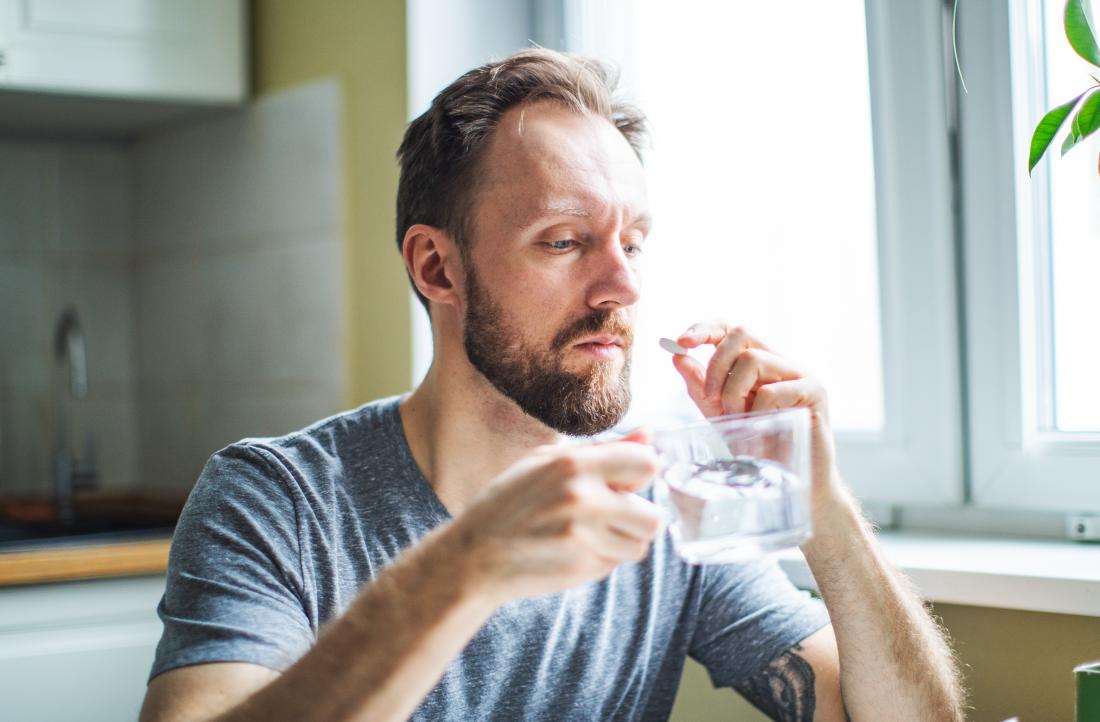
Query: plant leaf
x,y
1070,141
1079,31
1087,119
1046,130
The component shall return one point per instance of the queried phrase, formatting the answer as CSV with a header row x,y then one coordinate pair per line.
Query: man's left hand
x,y
745,375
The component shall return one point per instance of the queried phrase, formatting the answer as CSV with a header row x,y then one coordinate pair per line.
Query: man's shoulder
x,y
350,426
371,429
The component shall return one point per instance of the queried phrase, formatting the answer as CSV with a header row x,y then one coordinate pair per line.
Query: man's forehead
x,y
547,134
545,158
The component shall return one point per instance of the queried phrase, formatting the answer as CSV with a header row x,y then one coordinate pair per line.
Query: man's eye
x,y
632,249
563,245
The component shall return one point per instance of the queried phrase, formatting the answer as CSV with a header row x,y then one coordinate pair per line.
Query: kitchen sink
x,y
94,522
82,531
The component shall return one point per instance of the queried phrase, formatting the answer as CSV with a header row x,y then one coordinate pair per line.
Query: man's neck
x,y
463,432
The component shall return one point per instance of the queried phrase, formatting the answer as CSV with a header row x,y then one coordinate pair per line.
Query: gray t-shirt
x,y
279,535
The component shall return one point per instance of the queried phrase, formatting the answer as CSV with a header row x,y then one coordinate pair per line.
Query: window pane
x,y
762,186
1075,244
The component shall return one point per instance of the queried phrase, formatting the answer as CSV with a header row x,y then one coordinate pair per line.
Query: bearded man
x,y
443,555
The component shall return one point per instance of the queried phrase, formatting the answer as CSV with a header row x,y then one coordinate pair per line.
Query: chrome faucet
x,y
69,473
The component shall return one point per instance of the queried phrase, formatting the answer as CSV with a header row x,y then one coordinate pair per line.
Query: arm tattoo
x,y
784,690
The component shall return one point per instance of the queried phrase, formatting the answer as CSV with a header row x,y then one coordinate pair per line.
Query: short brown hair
x,y
441,148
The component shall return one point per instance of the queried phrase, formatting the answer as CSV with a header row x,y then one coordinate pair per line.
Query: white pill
x,y
672,347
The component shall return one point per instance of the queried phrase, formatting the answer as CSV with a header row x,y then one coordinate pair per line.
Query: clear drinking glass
x,y
736,487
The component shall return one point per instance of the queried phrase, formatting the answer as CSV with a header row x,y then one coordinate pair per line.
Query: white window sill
x,y
1036,575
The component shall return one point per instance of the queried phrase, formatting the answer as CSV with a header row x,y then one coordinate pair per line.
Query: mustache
x,y
597,323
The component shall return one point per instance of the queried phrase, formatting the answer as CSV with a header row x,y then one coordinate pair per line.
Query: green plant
x,y
1079,32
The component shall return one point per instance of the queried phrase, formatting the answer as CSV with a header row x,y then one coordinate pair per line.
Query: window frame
x,y
1015,463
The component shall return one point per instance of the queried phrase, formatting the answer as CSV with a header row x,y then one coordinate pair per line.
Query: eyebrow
x,y
545,211
575,212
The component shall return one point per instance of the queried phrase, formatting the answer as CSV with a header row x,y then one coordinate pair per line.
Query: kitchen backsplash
x,y
240,286
65,238
205,264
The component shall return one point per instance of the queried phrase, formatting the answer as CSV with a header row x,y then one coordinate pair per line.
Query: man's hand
x,y
745,375
892,661
559,517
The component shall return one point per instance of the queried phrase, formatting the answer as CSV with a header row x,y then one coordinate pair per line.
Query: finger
x,y
693,374
622,514
799,393
628,514
625,547
713,332
788,395
704,332
610,547
729,348
751,370
633,516
622,465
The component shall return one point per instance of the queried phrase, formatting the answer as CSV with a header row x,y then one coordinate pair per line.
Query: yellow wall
x,y
1016,664
362,45
1021,663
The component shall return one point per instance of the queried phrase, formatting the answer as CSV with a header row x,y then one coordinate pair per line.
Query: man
x,y
444,555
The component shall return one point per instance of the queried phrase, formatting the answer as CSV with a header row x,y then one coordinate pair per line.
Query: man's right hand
x,y
559,517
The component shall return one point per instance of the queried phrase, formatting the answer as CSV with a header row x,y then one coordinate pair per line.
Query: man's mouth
x,y
602,347
604,340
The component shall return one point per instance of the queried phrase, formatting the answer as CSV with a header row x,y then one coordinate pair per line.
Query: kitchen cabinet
x,y
163,50
77,650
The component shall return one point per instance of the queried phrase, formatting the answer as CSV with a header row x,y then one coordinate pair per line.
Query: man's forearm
x,y
386,652
894,661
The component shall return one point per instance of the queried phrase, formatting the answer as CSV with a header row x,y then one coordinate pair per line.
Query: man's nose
x,y
615,283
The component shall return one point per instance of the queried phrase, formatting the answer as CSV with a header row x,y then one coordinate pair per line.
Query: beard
x,y
572,403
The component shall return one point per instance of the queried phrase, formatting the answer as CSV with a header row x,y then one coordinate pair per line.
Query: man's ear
x,y
432,260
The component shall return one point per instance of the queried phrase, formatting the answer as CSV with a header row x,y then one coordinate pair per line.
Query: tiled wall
x,y
65,238
239,281
206,266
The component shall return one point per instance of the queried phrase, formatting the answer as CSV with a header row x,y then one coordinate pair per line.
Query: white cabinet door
x,y
77,650
151,49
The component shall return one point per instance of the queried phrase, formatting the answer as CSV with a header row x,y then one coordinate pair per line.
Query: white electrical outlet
x,y
1083,527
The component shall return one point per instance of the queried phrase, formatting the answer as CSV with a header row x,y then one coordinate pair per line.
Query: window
x,y
834,140
804,192
763,190
1073,246
1031,297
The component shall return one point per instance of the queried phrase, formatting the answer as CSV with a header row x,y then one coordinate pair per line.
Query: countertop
x,y
116,534
84,560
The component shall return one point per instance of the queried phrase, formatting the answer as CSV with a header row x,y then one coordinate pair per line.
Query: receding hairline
x,y
483,180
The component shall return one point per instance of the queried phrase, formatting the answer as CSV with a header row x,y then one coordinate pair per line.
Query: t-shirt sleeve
x,y
234,584
749,614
